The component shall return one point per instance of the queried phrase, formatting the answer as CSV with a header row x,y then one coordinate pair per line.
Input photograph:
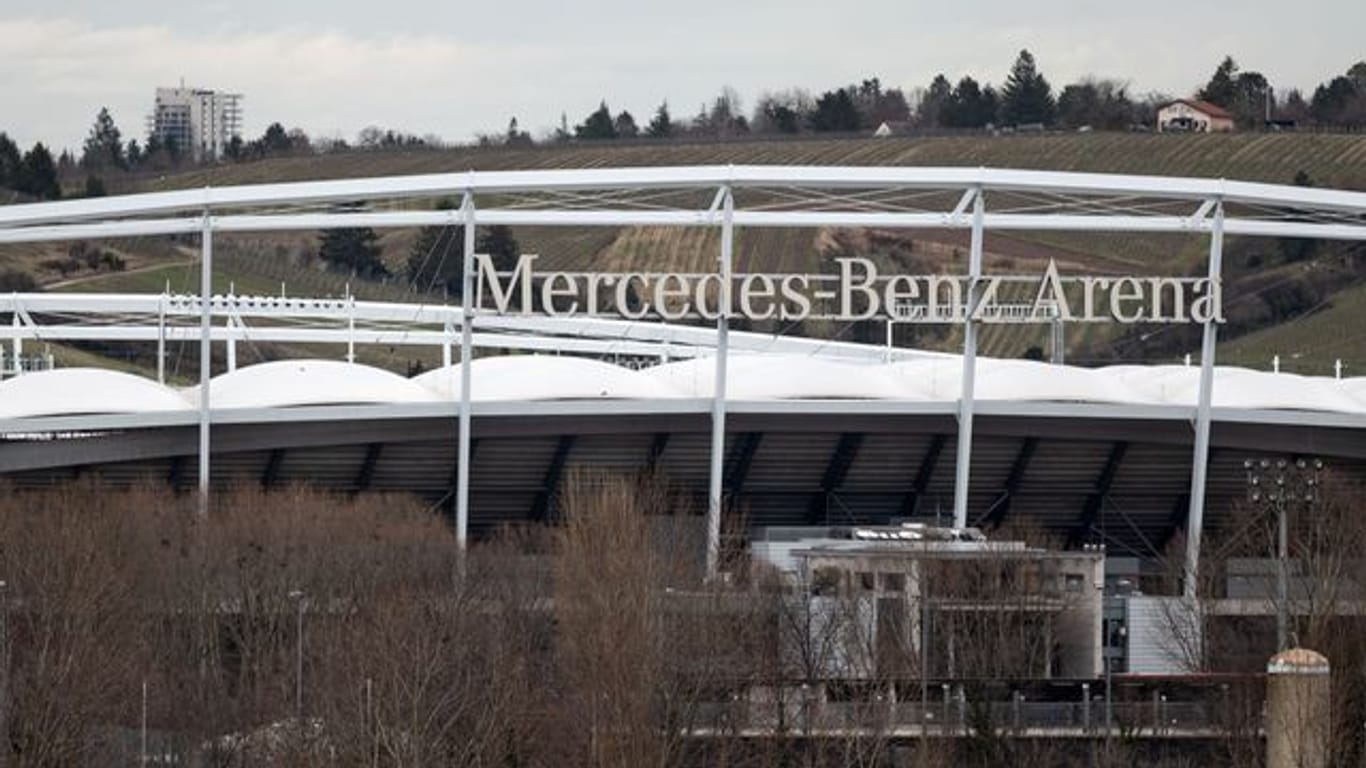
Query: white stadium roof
x,y
286,383
545,377
81,391
784,377
292,383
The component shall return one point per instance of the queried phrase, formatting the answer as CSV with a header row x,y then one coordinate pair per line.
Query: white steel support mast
x,y
462,482
969,379
1195,518
205,356
718,409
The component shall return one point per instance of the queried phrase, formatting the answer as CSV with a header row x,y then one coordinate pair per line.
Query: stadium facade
x,y
784,431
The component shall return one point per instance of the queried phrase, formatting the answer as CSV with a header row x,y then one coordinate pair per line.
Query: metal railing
x,y
1153,719
12,365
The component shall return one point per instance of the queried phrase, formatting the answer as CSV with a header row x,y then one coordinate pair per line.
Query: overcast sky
x,y
453,68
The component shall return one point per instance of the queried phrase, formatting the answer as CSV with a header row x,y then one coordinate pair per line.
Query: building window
x,y
893,582
826,581
866,581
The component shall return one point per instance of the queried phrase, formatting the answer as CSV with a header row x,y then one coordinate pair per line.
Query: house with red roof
x,y
1193,115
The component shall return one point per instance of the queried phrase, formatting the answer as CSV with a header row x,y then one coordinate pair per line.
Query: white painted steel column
x,y
1195,518
231,328
161,339
718,407
462,481
350,326
447,329
205,356
965,399
16,344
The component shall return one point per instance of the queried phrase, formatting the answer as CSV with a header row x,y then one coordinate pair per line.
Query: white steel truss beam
x,y
218,200
1017,222
686,177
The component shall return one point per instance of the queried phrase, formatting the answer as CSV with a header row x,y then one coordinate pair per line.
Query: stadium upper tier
x,y
527,378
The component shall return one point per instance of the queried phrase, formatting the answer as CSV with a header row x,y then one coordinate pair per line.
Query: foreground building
x,y
917,599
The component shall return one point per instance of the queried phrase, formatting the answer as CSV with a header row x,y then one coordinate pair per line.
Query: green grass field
x,y
1310,343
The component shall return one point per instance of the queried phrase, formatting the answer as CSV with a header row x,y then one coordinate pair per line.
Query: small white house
x,y
1193,116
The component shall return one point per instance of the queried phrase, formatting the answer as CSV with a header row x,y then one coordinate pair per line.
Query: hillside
x,y
265,261
1331,159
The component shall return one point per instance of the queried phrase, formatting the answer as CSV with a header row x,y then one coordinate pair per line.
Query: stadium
x,y
771,429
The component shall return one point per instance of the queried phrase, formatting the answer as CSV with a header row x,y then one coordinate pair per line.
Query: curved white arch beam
x,y
99,217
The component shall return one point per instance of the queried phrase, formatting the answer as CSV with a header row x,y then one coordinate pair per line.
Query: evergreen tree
x,y
970,106
1026,97
661,125
723,118
598,125
1102,104
275,140
1222,88
157,155
235,150
989,108
94,186
782,118
134,154
1357,74
625,126
1252,95
38,174
1293,108
1298,248
1331,100
1342,100
934,106
436,258
497,241
516,137
355,250
104,146
10,161
877,106
835,111
298,140
14,280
